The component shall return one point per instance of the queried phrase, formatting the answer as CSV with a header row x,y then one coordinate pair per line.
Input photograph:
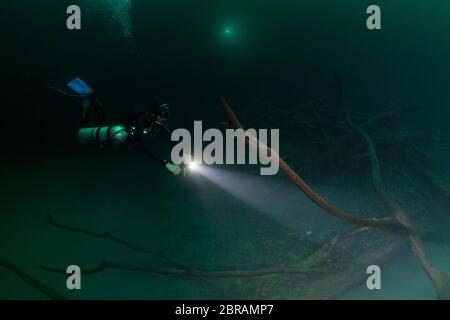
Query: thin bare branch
x,y
157,253
36,284
105,265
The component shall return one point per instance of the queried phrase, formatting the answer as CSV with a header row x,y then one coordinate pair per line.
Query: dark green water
x,y
255,53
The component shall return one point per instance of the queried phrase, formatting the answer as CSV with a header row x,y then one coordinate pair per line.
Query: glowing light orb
x,y
228,32
193,166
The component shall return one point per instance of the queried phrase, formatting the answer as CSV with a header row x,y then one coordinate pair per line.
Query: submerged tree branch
x,y
316,265
309,266
38,285
299,182
104,265
437,278
157,253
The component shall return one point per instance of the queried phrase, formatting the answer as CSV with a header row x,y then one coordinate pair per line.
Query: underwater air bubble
x,y
117,11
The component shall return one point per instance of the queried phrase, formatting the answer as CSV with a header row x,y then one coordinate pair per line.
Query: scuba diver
x,y
139,127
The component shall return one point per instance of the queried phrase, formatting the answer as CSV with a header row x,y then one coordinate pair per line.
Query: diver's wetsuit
x,y
93,108
148,126
142,126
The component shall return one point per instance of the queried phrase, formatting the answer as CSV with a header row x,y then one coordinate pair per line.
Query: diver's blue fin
x,y
69,94
80,87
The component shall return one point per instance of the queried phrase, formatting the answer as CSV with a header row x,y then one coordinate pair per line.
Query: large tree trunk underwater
x,y
297,180
401,222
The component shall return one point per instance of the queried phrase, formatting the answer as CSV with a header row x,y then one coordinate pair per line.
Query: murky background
x,y
268,58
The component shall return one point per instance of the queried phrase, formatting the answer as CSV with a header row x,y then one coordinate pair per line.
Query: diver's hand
x,y
174,168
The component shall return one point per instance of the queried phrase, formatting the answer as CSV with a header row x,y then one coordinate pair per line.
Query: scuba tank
x,y
115,135
118,135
